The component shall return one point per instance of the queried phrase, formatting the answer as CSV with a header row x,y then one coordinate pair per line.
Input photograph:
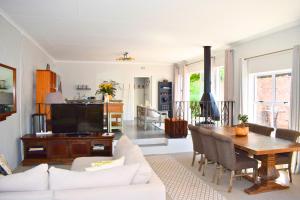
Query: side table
x,y
175,128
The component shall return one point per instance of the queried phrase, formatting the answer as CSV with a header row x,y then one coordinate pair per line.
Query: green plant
x,y
243,118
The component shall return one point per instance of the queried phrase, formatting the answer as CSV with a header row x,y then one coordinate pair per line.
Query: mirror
x,y
7,91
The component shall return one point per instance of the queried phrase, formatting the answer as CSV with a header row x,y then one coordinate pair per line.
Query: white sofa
x,y
153,189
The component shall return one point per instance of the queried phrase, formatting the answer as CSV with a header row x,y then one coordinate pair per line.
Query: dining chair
x,y
197,144
260,129
210,150
286,158
228,159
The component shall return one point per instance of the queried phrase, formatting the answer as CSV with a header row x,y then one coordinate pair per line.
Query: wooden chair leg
x,y
216,172
255,175
230,181
194,157
201,162
290,173
220,174
204,166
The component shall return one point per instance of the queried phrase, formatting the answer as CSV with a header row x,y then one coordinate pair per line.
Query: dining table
x,y
266,147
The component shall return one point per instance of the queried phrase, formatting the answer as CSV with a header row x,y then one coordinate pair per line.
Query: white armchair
x,y
149,115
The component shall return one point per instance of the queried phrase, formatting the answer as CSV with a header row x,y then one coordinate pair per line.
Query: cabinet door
x,y
80,148
58,149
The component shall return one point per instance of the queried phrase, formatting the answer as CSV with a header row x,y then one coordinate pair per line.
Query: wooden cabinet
x,y
175,128
62,148
45,84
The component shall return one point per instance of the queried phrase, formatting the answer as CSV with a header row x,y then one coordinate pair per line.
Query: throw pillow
x,y
61,179
122,146
106,164
35,179
4,168
144,172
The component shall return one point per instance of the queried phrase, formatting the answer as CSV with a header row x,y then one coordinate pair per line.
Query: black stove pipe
x,y
207,69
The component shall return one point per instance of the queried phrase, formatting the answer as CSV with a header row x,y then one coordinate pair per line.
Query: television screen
x,y
77,118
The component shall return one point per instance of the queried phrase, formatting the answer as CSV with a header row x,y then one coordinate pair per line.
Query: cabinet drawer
x,y
79,148
58,149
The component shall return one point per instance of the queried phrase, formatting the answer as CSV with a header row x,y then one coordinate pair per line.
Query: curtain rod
x,y
270,53
198,61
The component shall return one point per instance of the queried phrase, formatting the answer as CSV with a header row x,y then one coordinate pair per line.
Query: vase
x,y
241,130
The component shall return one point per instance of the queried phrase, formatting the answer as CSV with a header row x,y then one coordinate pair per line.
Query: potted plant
x,y
107,88
242,129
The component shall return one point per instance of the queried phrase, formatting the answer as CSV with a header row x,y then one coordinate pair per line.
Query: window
x,y
271,99
217,83
196,86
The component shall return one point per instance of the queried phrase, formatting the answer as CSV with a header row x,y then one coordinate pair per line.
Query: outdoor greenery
x,y
195,87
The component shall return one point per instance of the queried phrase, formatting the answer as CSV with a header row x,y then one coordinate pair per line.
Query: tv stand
x,y
64,148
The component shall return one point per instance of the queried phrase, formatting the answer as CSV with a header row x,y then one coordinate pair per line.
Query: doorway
x,y
142,92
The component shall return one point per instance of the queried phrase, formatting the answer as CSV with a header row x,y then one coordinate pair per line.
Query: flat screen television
x,y
77,118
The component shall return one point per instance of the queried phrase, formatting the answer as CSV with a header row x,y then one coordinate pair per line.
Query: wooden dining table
x,y
266,147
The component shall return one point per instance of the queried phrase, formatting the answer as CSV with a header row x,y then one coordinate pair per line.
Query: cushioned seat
x,y
282,158
197,144
259,129
244,162
229,159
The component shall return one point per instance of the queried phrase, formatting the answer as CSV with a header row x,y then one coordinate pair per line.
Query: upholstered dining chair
x,y
197,144
210,150
228,159
260,129
286,158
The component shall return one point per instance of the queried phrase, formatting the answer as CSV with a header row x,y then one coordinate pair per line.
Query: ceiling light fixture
x,y
125,57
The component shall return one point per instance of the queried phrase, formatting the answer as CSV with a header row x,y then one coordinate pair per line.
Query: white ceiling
x,y
150,30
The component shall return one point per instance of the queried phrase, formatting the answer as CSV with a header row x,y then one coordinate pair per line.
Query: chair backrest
x,y
225,150
209,144
287,134
197,144
259,129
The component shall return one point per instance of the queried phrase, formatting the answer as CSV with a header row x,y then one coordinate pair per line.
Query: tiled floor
x,y
133,131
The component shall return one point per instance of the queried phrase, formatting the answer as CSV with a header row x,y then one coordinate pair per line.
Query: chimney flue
x,y
207,69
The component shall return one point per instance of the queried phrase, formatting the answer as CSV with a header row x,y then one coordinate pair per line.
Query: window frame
x,y
273,102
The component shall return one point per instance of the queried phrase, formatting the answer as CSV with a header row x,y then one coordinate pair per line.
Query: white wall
x,y
277,41
18,51
273,42
93,74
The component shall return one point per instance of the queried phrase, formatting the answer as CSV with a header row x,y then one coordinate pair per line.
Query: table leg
x,y
268,175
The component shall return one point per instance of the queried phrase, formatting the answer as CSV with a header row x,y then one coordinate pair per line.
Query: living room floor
x,y
239,185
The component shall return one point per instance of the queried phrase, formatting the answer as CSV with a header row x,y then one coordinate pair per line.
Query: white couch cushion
x,y
30,195
144,172
122,146
35,179
61,179
105,164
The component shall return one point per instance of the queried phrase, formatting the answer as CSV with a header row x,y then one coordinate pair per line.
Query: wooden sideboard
x,y
63,148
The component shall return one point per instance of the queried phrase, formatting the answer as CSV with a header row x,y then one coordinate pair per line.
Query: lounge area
x,y
154,100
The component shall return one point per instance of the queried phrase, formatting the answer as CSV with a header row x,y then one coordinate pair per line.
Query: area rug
x,y
181,184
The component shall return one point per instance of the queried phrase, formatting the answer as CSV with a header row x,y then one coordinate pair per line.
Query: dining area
x,y
256,157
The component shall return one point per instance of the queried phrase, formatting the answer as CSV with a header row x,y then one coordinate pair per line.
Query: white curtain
x,y
295,100
181,84
243,83
229,76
